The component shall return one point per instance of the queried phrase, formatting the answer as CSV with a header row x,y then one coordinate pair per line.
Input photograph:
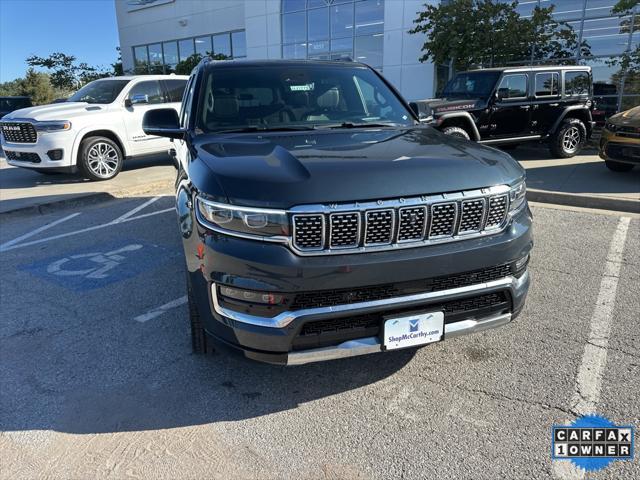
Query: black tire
x,y
569,139
108,154
618,166
456,132
200,343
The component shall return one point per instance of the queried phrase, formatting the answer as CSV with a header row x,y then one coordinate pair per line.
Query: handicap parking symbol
x,y
100,266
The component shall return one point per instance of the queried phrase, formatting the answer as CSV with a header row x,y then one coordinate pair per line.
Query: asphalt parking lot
x,y
98,379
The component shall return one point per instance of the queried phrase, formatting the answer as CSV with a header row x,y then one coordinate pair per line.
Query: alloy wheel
x,y
571,139
102,159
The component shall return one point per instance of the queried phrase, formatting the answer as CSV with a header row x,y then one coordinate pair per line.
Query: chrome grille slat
x,y
379,226
399,223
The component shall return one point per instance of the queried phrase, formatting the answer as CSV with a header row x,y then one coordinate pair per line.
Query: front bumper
x,y
214,259
619,148
35,155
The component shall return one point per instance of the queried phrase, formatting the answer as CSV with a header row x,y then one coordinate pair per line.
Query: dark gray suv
x,y
321,220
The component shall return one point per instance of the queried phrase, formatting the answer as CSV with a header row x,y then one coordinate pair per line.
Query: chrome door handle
x,y
525,107
554,104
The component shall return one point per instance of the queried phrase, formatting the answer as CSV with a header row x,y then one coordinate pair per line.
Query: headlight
x,y
610,126
517,196
264,224
52,126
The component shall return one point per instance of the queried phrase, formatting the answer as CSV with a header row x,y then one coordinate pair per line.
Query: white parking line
x,y
594,360
586,392
145,317
137,209
30,234
84,230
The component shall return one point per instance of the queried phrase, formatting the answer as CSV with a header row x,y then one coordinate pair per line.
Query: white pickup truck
x,y
94,130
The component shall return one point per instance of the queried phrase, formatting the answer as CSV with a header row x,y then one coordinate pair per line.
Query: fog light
x,y
55,154
250,296
520,266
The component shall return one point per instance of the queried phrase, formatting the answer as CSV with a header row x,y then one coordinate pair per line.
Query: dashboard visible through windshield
x,y
248,98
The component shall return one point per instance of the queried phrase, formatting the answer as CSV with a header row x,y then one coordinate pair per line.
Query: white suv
x,y
94,130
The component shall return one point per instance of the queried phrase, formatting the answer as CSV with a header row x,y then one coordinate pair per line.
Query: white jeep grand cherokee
x,y
94,130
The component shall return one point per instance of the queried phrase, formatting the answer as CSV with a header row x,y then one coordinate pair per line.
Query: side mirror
x,y
502,93
422,111
163,122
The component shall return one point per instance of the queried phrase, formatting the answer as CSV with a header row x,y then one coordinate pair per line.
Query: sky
x,y
86,29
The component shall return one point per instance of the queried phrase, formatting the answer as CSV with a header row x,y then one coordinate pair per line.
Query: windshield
x,y
471,85
10,104
275,97
100,91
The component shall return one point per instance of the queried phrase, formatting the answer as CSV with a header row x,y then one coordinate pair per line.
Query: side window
x,y
175,89
577,83
185,114
513,86
546,84
151,89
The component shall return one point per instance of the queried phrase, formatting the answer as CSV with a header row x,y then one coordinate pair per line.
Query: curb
x,y
89,198
584,201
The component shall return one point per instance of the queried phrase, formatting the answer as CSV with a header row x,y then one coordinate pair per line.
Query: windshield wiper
x,y
357,125
253,128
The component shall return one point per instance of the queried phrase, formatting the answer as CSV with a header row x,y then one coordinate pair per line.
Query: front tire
x,y
456,132
618,166
200,343
100,158
568,139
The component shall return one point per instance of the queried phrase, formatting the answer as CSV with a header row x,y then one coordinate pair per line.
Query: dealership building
x,y
156,34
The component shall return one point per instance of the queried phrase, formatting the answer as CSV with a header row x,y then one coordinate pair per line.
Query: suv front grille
x,y
19,132
326,298
406,222
23,156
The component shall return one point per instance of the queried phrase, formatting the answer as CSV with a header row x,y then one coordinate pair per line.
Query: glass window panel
x,y
186,48
317,3
635,40
239,42
513,86
155,58
151,89
203,45
606,36
294,27
321,56
576,83
369,50
606,77
170,53
547,84
632,85
141,59
369,17
318,24
630,102
222,44
341,48
599,8
297,50
565,9
318,47
525,8
293,5
342,20
175,89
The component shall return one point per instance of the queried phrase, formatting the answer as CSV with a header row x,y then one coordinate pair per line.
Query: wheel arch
x,y
463,120
98,132
577,111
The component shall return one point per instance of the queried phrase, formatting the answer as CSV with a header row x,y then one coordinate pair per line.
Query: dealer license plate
x,y
411,330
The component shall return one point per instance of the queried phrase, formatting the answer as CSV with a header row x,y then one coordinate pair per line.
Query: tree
x,y
488,32
624,6
65,72
37,85
186,66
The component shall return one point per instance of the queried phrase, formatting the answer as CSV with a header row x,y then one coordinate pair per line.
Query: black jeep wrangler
x,y
508,106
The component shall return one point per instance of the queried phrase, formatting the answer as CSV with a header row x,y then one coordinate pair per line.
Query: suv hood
x,y
283,170
55,111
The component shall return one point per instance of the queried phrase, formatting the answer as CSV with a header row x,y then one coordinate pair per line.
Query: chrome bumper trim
x,y
285,318
368,345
